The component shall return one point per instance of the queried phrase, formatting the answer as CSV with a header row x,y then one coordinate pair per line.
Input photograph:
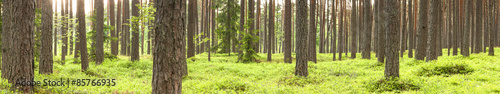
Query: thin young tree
x,y
64,32
302,52
80,13
392,42
422,30
134,51
111,12
169,46
119,28
333,49
403,30
46,57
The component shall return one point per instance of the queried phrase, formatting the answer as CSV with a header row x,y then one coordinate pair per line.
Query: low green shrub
x,y
445,70
299,81
394,84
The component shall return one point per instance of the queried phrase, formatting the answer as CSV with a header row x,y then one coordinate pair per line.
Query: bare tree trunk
x,y
288,29
341,30
80,13
242,28
134,51
46,57
312,32
434,23
381,32
422,30
169,53
353,30
334,27
99,51
411,29
193,13
270,37
403,30
392,64
479,27
367,29
302,52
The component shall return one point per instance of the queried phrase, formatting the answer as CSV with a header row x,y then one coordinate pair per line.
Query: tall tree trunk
x,y
119,27
99,49
257,46
312,32
392,42
422,30
493,27
242,28
334,27
56,29
341,30
321,26
434,23
479,27
288,30
468,13
46,57
193,13
403,30
353,30
126,27
270,37
169,53
455,27
381,32
111,12
80,13
134,51
17,43
367,29
302,52
71,28
411,28
64,31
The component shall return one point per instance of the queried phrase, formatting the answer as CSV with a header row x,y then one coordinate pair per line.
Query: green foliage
x,y
394,84
300,81
226,7
248,41
91,36
446,69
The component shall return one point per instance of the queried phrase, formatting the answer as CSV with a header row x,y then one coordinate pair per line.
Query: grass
x,y
478,73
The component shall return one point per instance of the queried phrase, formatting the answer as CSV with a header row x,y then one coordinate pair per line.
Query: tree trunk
x,y
392,42
381,32
341,30
367,29
71,28
270,37
111,12
134,51
322,27
126,28
353,30
479,27
493,27
55,30
169,48
17,43
422,30
403,30
46,57
334,27
411,29
193,13
82,36
242,28
434,23
288,29
302,52
99,50
64,10
312,32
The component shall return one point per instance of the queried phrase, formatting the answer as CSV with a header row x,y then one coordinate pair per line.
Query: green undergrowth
x,y
477,74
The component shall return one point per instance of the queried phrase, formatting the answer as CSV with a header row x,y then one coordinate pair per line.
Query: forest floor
x,y
478,73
